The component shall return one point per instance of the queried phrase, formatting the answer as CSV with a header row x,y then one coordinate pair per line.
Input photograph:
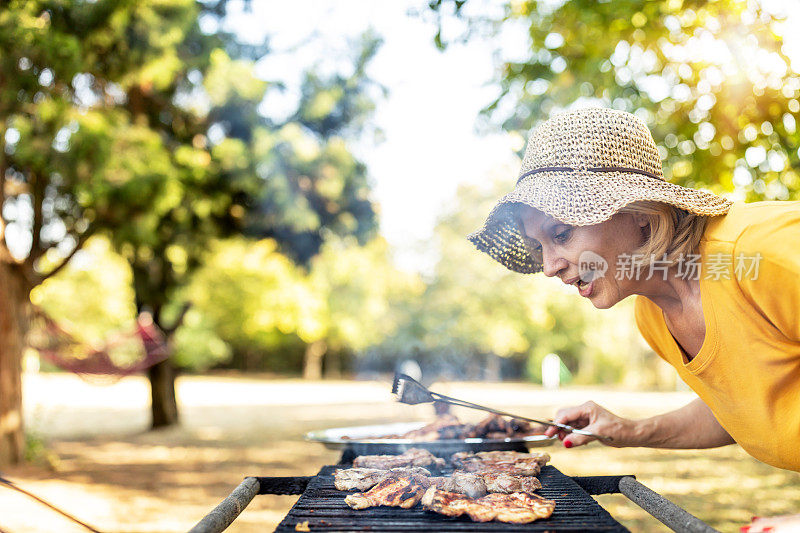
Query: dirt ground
x,y
96,459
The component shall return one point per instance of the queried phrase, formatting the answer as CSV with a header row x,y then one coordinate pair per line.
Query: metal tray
x,y
363,440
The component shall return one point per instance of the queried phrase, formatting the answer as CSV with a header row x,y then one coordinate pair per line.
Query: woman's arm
x,y
692,426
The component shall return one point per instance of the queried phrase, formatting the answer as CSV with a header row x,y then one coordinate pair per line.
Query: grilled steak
x,y
517,507
366,478
462,483
394,491
432,431
472,484
447,426
516,463
494,425
477,484
412,457
508,483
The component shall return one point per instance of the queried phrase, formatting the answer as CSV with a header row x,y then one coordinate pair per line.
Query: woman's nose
x,y
551,264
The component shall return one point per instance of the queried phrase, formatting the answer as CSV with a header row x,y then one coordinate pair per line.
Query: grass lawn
x,y
108,470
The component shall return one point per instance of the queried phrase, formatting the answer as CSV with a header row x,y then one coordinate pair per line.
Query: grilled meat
x,y
497,427
431,431
462,483
541,458
455,431
412,457
516,463
472,484
478,484
447,426
492,424
366,478
508,483
394,491
517,507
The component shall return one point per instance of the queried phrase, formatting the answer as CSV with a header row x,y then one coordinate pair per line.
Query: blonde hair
x,y
672,232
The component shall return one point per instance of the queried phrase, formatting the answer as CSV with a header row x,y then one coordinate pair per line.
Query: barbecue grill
x,y
322,508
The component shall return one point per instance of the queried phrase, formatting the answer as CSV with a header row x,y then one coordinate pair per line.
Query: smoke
x,y
439,364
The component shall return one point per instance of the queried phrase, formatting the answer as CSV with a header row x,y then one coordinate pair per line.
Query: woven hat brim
x,y
579,199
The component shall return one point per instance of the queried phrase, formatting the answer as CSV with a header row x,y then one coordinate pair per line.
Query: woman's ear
x,y
641,220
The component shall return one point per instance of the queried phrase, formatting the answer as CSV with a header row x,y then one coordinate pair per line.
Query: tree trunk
x,y
312,368
163,405
492,369
333,364
162,394
13,322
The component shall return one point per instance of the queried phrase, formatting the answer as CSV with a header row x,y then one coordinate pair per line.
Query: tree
x,y
711,79
100,138
126,119
280,316
257,301
361,293
72,76
313,187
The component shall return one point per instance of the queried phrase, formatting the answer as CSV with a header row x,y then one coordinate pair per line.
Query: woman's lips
x,y
587,290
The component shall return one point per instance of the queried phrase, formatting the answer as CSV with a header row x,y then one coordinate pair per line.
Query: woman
x,y
717,284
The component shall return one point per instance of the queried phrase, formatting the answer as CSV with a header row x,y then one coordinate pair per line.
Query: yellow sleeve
x,y
768,257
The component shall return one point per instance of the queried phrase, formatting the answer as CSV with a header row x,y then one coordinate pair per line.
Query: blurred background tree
x,y
711,79
126,119
273,315
363,299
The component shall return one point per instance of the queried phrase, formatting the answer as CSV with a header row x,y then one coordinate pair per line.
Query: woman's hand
x,y
774,524
596,419
693,426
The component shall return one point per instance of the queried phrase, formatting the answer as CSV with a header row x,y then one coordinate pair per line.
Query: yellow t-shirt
x,y
748,368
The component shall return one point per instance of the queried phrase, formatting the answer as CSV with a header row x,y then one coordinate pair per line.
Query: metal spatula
x,y
412,392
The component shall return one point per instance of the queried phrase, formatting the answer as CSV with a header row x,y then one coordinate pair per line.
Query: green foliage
x,y
92,297
711,79
37,452
361,293
266,308
125,119
197,345
313,187
337,104
254,297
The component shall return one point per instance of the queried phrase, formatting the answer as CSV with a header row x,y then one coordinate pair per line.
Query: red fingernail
x,y
567,443
768,529
744,529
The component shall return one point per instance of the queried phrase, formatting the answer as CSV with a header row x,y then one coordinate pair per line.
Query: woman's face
x,y
576,254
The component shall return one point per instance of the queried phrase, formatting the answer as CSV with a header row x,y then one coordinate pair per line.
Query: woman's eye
x,y
562,236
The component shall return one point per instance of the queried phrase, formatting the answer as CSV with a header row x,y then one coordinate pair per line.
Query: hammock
x,y
124,354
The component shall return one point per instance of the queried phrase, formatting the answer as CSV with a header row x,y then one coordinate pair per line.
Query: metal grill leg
x,y
674,517
226,512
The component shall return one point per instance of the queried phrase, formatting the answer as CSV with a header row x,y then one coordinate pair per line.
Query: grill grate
x,y
324,508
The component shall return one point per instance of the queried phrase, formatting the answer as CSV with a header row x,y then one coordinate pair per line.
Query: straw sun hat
x,y
581,167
